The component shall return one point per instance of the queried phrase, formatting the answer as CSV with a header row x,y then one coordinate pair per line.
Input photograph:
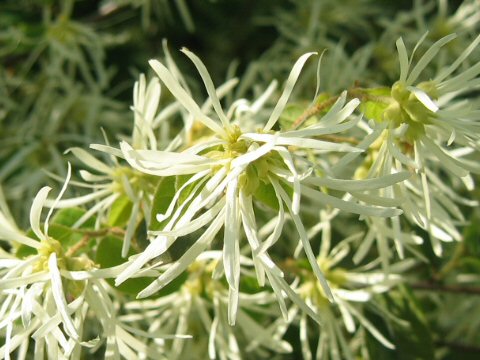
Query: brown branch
x,y
308,113
337,138
84,242
458,346
89,234
454,289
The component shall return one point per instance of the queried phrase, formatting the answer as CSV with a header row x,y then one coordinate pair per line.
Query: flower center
x,y
407,109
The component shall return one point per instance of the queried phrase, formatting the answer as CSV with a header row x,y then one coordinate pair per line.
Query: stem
x,y
93,233
308,113
337,138
354,92
84,242
362,95
459,346
454,289
89,234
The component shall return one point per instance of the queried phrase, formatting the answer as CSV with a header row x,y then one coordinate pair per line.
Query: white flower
x,y
115,186
228,173
198,307
350,289
49,293
32,288
426,130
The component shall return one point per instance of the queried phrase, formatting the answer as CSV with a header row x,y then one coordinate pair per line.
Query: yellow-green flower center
x,y
405,108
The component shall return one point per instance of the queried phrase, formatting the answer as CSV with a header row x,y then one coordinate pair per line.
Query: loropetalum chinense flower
x,y
421,127
350,288
116,188
198,307
244,164
49,290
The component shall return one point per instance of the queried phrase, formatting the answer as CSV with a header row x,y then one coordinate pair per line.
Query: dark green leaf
x,y
411,337
68,217
265,193
120,211
180,181
163,196
109,253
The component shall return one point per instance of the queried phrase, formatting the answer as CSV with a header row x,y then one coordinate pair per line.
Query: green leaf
x,y
249,285
24,251
290,114
109,253
180,181
61,227
120,211
68,217
164,194
265,193
65,235
471,236
411,336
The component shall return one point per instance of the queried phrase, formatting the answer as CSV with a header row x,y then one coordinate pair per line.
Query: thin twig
x,y
454,289
337,138
459,346
84,242
89,234
308,113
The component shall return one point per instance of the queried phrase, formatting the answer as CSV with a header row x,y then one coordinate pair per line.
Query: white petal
x,y
132,223
292,79
80,200
90,160
59,296
107,149
427,57
231,249
358,185
190,255
304,239
254,155
301,142
57,199
183,97
207,80
36,211
423,98
349,206
403,59
14,236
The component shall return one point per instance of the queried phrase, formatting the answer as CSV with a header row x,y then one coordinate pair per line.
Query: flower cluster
x,y
219,226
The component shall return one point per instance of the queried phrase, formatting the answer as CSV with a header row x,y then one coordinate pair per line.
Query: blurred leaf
x,y
265,193
471,236
470,264
249,285
412,339
140,235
